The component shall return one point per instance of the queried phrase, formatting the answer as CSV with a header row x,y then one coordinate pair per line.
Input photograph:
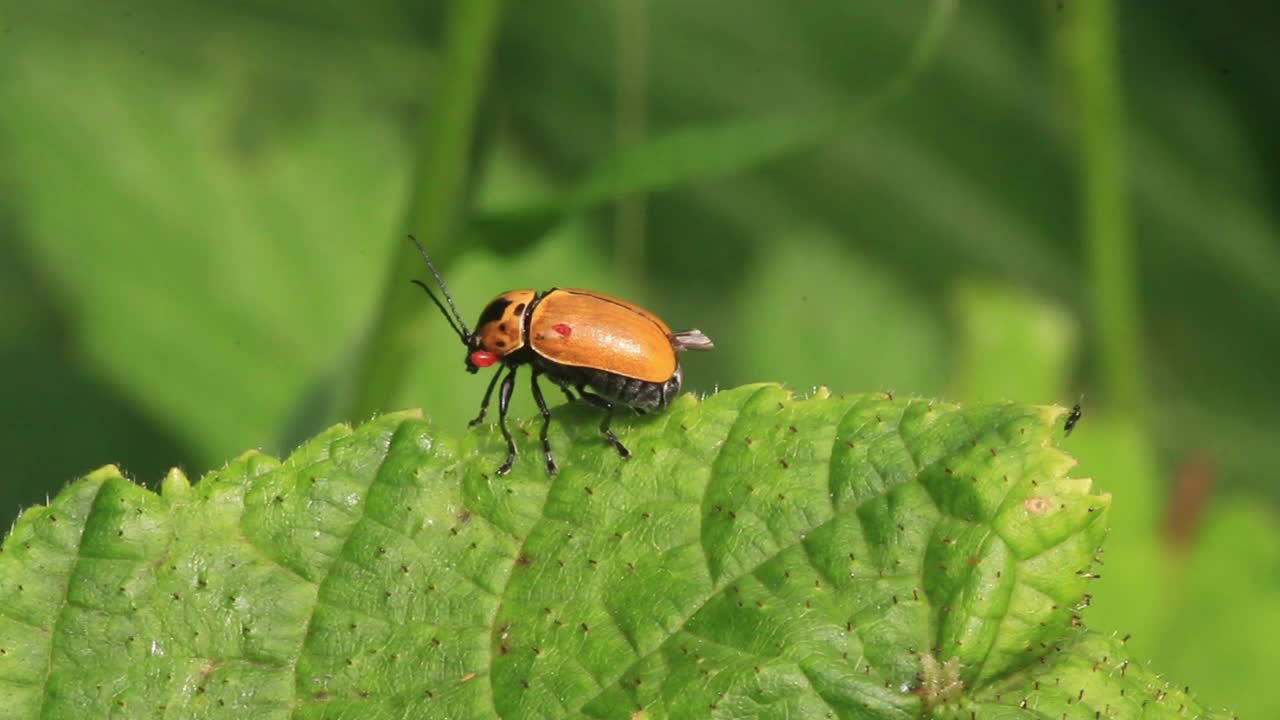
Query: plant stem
x,y
631,58
437,191
1110,255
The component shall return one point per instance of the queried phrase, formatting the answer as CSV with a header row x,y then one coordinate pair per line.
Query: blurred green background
x,y
202,210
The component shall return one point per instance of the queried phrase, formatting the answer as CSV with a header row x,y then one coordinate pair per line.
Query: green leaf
x,y
762,554
1067,684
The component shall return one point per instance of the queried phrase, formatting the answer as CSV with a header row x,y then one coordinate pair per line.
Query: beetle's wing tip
x,y
690,340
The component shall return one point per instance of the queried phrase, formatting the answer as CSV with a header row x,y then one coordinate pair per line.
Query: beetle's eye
x,y
480,358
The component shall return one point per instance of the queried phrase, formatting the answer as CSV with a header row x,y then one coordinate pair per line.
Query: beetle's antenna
x,y
440,305
461,326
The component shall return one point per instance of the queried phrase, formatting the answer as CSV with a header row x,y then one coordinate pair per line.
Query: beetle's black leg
x,y
546,420
568,395
484,404
600,402
504,399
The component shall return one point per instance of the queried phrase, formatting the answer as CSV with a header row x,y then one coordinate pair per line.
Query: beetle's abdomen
x,y
592,331
642,395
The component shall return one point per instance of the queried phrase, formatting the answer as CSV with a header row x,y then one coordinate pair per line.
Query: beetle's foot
x,y
622,449
551,465
476,422
506,466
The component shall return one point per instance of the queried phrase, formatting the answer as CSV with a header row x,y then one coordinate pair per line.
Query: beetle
x,y
578,339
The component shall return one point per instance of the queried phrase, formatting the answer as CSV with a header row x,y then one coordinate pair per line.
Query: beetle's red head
x,y
477,359
500,330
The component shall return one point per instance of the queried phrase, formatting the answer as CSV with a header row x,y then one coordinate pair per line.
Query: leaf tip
x,y
175,483
248,456
397,416
105,473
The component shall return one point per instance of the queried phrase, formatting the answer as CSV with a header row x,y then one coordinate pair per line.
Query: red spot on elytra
x,y
563,329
